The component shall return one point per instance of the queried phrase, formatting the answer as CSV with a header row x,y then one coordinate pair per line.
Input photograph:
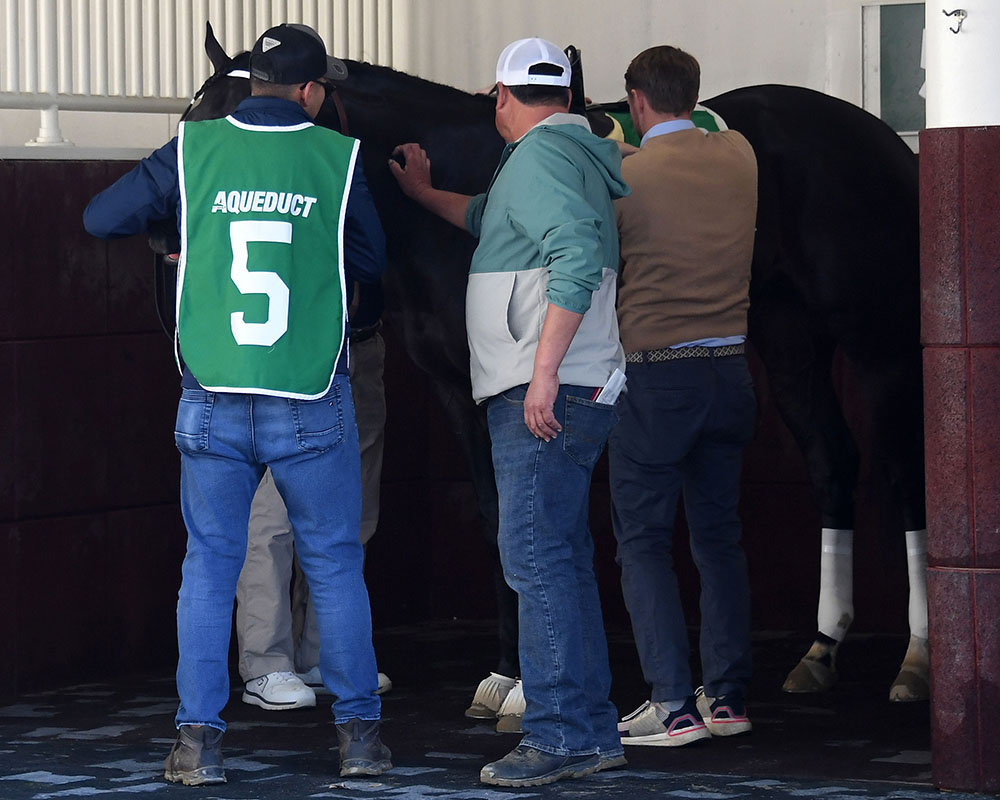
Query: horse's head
x,y
225,88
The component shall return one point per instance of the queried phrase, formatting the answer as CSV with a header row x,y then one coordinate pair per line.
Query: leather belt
x,y
672,353
364,334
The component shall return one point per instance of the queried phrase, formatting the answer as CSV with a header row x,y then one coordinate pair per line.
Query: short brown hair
x,y
669,77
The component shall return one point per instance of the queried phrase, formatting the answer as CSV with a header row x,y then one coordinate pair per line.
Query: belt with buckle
x,y
672,353
364,334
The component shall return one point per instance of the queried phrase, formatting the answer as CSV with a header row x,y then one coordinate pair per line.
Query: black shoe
x,y
196,757
526,766
611,762
361,749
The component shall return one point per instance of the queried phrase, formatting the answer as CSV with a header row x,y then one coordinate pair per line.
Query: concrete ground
x,y
110,738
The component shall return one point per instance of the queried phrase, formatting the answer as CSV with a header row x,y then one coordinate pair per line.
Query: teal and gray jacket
x,y
547,234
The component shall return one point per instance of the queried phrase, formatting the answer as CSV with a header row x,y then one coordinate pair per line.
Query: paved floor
x,y
110,738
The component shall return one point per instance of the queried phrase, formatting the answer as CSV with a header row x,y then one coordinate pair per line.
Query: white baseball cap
x,y
518,62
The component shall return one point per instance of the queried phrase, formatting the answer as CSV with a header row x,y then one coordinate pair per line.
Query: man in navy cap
x,y
262,340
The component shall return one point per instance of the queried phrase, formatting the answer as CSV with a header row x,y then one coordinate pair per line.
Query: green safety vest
x,y
261,297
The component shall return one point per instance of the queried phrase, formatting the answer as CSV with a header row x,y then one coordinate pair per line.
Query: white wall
x,y
813,43
963,68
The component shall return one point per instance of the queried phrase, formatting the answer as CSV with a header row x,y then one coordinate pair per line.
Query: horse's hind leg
x,y
798,364
468,423
894,387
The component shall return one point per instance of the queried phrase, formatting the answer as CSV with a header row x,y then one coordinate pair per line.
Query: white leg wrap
x,y
836,583
916,565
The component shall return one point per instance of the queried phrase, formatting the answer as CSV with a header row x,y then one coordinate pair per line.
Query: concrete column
x,y
960,290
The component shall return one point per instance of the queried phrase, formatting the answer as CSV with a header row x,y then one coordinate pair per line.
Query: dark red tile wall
x,y
90,532
87,392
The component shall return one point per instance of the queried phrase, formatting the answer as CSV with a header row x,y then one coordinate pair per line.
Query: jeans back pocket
x,y
586,429
319,424
194,417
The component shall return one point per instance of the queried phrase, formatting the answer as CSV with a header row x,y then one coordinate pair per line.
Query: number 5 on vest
x,y
259,282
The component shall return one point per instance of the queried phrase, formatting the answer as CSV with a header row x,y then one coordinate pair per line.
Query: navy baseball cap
x,y
292,54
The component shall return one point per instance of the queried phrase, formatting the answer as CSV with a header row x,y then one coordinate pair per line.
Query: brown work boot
x,y
361,749
196,757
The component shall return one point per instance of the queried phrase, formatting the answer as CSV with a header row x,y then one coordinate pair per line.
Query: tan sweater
x,y
687,234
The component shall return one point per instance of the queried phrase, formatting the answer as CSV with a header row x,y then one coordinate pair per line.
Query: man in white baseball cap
x,y
543,339
533,62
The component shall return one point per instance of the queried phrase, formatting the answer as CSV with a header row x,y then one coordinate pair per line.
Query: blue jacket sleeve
x,y
364,239
147,192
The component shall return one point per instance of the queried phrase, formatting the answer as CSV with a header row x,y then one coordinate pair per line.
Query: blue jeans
x,y
548,558
684,426
226,441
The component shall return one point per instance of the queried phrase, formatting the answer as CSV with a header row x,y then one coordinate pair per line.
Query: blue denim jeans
x,y
226,441
684,426
548,559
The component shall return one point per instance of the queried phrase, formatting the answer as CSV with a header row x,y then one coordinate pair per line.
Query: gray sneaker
x,y
361,749
196,757
653,725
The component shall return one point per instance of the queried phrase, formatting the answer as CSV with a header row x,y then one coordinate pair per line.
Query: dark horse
x,y
835,266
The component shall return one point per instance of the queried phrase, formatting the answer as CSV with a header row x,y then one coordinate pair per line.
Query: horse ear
x,y
215,52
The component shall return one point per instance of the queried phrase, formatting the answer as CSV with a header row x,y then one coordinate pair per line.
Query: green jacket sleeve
x,y
474,214
554,213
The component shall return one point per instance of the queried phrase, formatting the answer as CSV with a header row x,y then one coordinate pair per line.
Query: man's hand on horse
x,y
414,174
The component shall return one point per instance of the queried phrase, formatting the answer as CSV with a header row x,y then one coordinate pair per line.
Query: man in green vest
x,y
275,217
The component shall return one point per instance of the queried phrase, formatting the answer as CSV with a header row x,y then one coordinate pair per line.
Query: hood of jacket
x,y
603,153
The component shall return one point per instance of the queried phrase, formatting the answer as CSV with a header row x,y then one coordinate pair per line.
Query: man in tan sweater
x,y
687,235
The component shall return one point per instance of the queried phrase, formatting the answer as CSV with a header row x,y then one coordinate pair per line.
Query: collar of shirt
x,y
270,111
560,118
670,126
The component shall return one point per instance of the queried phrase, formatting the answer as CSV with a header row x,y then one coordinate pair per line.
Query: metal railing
x,y
148,55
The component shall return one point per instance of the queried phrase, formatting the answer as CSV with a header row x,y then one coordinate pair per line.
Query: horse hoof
x,y
912,684
909,687
809,676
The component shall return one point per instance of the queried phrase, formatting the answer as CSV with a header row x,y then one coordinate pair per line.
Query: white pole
x,y
385,32
12,73
64,47
963,68
48,68
168,51
31,37
150,57
116,47
49,134
356,29
100,46
81,47
134,54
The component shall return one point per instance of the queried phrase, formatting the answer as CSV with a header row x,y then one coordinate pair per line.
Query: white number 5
x,y
269,283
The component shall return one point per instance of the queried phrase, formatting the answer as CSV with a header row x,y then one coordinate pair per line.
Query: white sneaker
x,y
510,713
278,691
490,694
314,681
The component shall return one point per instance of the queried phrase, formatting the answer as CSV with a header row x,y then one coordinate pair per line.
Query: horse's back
x,y
838,217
